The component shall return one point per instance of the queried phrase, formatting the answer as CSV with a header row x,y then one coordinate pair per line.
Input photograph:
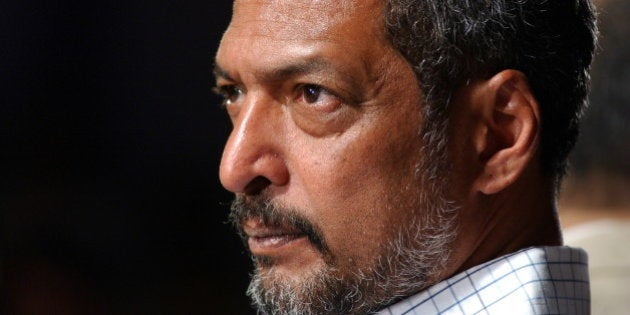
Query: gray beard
x,y
416,254
420,251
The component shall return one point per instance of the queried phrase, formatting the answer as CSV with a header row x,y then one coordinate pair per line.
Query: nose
x,y
252,158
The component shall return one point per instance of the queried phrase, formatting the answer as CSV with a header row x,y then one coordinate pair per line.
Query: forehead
x,y
268,34
303,20
297,19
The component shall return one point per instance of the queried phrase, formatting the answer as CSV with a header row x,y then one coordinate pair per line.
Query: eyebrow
x,y
282,72
315,66
220,73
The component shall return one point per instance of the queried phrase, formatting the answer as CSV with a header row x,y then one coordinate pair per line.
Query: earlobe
x,y
511,120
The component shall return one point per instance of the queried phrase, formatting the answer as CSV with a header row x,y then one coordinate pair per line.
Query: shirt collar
x,y
543,279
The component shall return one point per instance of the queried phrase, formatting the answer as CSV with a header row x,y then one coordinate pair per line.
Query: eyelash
x,y
303,89
230,93
227,93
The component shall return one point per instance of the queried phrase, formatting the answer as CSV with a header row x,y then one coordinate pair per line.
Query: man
x,y
403,156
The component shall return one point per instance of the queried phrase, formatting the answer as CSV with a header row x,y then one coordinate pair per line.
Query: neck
x,y
521,216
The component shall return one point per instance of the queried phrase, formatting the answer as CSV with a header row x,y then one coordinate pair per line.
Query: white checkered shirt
x,y
539,280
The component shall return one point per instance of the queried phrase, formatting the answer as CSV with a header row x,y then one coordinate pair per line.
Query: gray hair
x,y
450,42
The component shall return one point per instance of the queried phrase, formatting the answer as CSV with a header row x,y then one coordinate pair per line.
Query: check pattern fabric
x,y
537,280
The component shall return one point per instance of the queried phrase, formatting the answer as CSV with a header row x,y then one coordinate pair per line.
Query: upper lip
x,y
255,227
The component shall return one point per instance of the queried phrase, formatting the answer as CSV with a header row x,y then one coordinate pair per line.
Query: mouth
x,y
269,240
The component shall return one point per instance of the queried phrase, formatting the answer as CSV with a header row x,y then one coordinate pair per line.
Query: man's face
x,y
326,157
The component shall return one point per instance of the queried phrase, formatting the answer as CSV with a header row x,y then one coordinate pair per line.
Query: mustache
x,y
262,208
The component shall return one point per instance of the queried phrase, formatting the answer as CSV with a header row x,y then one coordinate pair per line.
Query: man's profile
x,y
403,157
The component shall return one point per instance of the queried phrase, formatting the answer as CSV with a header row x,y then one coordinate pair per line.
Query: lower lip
x,y
262,244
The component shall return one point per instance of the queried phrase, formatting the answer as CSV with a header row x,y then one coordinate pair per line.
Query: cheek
x,y
343,172
351,185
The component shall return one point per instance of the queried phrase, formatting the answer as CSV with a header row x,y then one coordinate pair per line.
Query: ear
x,y
507,134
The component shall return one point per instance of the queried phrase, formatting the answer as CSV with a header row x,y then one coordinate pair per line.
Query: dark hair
x,y
450,42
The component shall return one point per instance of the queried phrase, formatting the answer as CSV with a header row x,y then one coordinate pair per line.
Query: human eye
x,y
316,96
230,93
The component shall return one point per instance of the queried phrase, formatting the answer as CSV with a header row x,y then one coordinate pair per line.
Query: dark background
x,y
110,140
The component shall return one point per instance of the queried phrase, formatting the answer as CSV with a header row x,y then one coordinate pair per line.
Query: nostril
x,y
256,185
